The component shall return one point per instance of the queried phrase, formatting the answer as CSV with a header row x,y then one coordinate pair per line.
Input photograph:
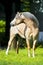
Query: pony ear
x,y
22,16
17,12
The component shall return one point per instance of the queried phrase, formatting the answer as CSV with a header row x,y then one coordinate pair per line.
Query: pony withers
x,y
28,25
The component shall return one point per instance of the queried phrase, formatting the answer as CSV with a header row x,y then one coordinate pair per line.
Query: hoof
x,y
29,55
6,53
33,56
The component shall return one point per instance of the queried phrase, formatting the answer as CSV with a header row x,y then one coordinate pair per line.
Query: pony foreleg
x,y
34,43
9,44
7,50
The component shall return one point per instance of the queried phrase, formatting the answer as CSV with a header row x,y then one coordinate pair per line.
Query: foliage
x,y
2,26
21,59
2,32
25,5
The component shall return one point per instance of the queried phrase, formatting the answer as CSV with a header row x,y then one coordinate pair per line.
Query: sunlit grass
x,y
21,59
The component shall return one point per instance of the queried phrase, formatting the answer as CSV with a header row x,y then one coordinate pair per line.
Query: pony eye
x,y
16,18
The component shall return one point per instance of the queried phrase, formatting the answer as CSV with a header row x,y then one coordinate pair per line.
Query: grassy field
x,y
21,59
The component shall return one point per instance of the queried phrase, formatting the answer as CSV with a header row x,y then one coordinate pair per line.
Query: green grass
x,y
21,59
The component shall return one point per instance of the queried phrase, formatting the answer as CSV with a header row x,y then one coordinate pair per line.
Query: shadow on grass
x,y
39,44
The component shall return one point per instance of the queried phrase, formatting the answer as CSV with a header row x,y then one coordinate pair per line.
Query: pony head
x,y
18,19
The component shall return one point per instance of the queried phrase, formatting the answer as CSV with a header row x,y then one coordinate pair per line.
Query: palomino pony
x,y
26,25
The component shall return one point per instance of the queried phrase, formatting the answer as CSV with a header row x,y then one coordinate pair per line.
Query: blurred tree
x,y
17,5
25,5
8,12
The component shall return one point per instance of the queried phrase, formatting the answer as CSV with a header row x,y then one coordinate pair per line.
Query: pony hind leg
x,y
35,39
34,43
28,46
27,35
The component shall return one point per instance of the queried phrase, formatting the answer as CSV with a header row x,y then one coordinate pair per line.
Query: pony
x,y
26,25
